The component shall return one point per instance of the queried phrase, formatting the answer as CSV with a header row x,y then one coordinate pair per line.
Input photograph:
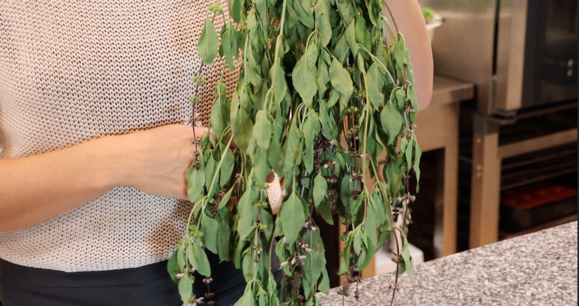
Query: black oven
x,y
520,53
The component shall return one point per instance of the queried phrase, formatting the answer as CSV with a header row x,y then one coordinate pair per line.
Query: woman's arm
x,y
37,188
411,24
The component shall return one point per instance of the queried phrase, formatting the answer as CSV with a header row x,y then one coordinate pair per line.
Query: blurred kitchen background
x,y
500,135
501,132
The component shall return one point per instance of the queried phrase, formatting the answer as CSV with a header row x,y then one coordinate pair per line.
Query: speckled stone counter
x,y
535,269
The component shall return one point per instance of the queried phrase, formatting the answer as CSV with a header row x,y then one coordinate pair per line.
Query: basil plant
x,y
325,89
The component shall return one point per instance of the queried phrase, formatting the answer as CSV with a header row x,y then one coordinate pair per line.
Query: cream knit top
x,y
75,70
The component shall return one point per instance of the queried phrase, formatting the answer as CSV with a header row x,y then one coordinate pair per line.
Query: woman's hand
x,y
156,161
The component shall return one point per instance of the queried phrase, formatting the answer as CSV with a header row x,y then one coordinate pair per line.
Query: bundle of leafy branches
x,y
325,87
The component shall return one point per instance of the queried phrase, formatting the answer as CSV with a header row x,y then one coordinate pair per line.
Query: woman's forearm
x,y
36,188
411,24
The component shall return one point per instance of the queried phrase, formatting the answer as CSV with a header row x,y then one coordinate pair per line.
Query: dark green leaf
x,y
292,217
208,43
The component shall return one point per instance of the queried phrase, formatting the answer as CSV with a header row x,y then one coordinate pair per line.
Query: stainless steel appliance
x,y
519,53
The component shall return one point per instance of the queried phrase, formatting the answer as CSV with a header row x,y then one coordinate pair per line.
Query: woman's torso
x,y
71,71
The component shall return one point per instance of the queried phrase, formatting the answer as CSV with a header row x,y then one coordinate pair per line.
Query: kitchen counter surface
x,y
534,269
446,91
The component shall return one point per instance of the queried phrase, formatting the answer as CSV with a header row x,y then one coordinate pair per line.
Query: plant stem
x,y
397,268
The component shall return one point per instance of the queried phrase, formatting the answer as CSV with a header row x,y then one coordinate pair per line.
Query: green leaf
x,y
203,266
210,228
208,43
346,189
223,241
261,6
181,259
267,220
391,120
322,11
304,76
322,77
225,198
292,217
362,33
248,265
351,37
305,12
375,84
235,9
247,212
409,155
341,50
329,128
185,289
173,266
341,82
292,146
220,115
277,74
226,168
346,9
229,46
407,258
262,129
196,180
316,257
325,283
320,189
416,165
242,129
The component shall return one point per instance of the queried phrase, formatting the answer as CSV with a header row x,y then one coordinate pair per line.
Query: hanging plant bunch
x,y
325,87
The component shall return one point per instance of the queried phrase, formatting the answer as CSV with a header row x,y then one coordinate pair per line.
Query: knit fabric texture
x,y
76,70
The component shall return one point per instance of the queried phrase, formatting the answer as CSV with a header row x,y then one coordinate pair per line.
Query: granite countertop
x,y
534,269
